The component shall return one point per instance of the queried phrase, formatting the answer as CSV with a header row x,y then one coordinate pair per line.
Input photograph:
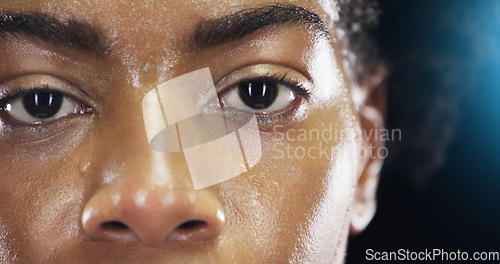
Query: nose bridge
x,y
146,196
124,153
149,170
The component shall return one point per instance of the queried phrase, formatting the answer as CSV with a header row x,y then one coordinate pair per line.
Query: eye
x,y
38,106
260,96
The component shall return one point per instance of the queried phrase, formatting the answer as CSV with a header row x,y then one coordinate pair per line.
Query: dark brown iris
x,y
258,94
42,104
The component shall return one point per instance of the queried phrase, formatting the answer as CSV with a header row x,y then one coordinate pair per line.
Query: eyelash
x,y
16,92
297,87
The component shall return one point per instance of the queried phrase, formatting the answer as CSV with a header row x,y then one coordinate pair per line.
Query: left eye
x,y
40,106
259,96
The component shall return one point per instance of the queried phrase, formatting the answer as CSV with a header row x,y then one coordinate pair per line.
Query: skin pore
x,y
87,187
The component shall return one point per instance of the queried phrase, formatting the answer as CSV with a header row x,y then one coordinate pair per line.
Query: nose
x,y
143,196
152,217
149,201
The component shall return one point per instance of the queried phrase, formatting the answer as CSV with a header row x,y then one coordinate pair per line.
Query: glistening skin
x,y
80,183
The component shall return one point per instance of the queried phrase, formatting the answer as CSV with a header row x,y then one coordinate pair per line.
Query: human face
x,y
85,186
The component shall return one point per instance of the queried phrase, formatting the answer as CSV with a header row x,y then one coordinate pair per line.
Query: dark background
x,y
440,187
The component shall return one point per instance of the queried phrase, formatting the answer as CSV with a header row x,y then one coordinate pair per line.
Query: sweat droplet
x,y
84,167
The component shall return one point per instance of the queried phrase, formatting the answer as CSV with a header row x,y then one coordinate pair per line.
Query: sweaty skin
x,y
87,188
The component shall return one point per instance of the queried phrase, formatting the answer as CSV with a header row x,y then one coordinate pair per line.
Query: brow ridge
x,y
71,33
218,31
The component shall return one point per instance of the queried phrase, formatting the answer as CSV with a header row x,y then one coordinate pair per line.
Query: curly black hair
x,y
422,99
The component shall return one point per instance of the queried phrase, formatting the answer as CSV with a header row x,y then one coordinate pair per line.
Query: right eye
x,y
41,105
39,99
260,96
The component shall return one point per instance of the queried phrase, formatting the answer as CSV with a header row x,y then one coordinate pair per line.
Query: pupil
x,y
42,104
258,94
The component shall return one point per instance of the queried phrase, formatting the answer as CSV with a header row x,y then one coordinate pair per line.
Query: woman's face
x,y
79,180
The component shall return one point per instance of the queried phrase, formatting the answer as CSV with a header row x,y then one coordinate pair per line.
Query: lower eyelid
x,y
31,137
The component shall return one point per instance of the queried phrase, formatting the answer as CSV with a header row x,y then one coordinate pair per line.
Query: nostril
x,y
194,224
197,230
114,226
120,216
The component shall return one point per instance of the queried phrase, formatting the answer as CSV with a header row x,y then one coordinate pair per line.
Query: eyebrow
x,y
84,37
215,32
70,33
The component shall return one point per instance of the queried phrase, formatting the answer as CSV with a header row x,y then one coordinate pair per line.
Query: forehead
x,y
167,16
147,35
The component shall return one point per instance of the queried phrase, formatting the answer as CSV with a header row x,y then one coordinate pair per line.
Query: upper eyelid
x,y
17,92
9,89
294,86
282,75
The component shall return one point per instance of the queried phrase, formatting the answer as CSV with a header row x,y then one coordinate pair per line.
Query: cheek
x,y
40,218
295,201
41,197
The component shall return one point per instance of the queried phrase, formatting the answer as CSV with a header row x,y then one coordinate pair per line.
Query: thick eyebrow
x,y
215,32
70,33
